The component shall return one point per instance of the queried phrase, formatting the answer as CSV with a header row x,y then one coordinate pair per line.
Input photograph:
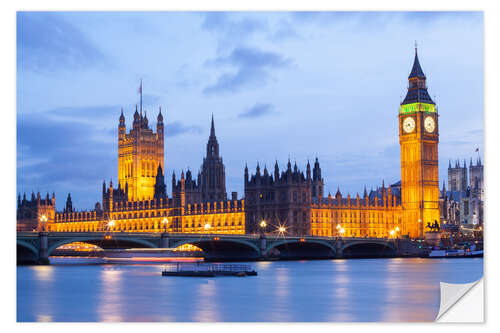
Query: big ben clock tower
x,y
418,137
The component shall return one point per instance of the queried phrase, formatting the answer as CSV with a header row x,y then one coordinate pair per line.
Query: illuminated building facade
x,y
289,200
419,137
208,211
140,152
282,199
34,213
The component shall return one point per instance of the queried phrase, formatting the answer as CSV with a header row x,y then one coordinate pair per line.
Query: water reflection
x,y
111,295
340,302
336,290
280,311
205,305
44,273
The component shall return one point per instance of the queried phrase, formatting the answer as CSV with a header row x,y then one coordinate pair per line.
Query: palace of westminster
x,y
287,201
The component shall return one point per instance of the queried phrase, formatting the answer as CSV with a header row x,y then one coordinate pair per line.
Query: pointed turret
x,y
122,118
69,204
417,89
308,171
159,119
212,128
160,187
276,171
416,70
145,120
212,145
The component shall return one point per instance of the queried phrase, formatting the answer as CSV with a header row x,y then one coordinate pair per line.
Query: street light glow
x,y
207,226
263,224
111,223
282,229
43,218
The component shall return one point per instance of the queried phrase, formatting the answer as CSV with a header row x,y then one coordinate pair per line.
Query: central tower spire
x,y
212,128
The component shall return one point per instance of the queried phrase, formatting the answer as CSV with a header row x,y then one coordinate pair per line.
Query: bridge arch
x,y
295,248
369,248
99,241
223,248
28,246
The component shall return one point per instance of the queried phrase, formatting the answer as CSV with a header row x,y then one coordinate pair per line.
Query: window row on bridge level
x,y
149,226
352,232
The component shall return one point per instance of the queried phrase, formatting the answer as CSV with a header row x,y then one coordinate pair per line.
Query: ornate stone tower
x,y
418,138
139,154
213,174
457,177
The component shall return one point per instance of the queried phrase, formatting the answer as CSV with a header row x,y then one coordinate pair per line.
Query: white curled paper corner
x,y
461,302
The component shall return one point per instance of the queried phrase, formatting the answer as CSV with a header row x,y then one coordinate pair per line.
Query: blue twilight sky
x,y
280,84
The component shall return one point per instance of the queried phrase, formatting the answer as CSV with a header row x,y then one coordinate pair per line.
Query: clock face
x,y
409,125
429,124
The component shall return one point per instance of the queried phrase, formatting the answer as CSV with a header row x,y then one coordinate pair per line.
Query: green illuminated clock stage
x,y
416,107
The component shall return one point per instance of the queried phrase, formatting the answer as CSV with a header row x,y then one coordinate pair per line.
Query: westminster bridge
x,y
38,246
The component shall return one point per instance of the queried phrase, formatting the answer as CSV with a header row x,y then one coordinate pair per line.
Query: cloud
x,y
177,128
230,30
258,110
252,69
46,42
68,149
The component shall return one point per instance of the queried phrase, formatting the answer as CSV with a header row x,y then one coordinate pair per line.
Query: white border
x,y
8,135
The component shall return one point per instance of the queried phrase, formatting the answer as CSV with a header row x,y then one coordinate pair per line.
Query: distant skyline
x,y
279,84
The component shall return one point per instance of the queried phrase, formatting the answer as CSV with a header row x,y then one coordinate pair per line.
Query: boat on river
x,y
467,252
208,270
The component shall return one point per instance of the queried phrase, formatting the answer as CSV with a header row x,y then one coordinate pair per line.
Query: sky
x,y
280,85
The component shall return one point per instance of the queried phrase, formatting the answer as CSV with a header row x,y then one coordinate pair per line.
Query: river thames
x,y
284,291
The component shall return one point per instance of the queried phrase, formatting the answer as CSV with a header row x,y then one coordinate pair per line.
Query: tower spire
x,y
416,70
140,92
212,127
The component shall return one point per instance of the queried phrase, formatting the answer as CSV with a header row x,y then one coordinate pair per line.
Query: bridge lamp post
x,y
281,230
43,219
207,227
342,231
339,227
263,226
111,224
165,223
